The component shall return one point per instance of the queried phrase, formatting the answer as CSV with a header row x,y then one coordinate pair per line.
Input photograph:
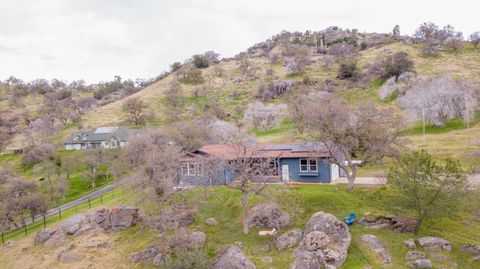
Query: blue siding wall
x,y
224,177
323,174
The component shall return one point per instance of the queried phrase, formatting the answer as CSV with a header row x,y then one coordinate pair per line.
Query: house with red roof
x,y
308,162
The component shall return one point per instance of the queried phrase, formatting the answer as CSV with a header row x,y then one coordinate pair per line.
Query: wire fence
x,y
44,221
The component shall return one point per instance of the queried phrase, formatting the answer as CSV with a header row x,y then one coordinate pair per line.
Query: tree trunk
x,y
419,223
351,179
94,178
244,208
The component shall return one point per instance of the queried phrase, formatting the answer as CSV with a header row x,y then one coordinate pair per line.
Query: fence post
x,y
75,207
101,199
25,228
60,212
3,239
44,222
113,190
89,205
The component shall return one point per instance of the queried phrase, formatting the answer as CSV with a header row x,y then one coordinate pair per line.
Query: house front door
x,y
285,173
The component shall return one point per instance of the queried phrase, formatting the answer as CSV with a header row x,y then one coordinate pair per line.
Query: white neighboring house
x,y
102,137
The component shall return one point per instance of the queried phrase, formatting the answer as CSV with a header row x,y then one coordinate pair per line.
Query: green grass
x,y
223,205
115,196
450,125
79,183
284,127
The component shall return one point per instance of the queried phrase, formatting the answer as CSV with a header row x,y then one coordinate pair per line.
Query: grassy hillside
x,y
224,205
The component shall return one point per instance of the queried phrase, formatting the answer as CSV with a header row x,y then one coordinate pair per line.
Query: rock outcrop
x,y
415,255
232,258
144,255
410,243
119,218
267,216
434,243
289,239
372,242
471,249
185,239
325,243
211,222
73,224
42,236
396,223
424,263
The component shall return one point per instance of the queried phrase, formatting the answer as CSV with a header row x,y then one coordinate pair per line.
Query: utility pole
x,y
467,118
423,127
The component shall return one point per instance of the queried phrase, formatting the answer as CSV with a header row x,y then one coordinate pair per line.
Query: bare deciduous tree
x,y
365,133
94,158
262,116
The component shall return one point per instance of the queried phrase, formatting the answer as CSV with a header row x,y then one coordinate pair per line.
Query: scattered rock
x,y
158,260
435,243
239,244
439,257
42,236
185,239
211,222
232,258
73,224
415,255
367,267
471,249
101,215
410,243
267,216
57,238
288,239
396,223
185,217
121,217
144,255
265,247
95,244
85,228
423,263
267,259
476,258
316,240
377,247
69,257
329,255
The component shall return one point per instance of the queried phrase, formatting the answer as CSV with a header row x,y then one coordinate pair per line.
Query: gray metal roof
x,y
102,134
296,147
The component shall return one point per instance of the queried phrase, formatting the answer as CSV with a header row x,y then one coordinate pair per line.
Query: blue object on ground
x,y
349,221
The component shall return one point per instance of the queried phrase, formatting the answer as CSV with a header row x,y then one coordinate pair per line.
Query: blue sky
x,y
97,39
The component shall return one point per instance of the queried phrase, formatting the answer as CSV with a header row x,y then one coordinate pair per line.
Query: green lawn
x,y
224,205
79,182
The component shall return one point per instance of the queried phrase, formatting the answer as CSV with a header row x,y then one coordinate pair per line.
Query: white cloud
x,y
97,39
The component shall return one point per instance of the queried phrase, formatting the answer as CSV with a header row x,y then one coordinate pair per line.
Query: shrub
x,y
343,50
200,61
391,66
348,69
440,99
189,74
37,154
175,66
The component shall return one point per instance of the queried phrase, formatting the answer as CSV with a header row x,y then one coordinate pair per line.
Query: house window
x,y
192,169
312,164
303,165
308,166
